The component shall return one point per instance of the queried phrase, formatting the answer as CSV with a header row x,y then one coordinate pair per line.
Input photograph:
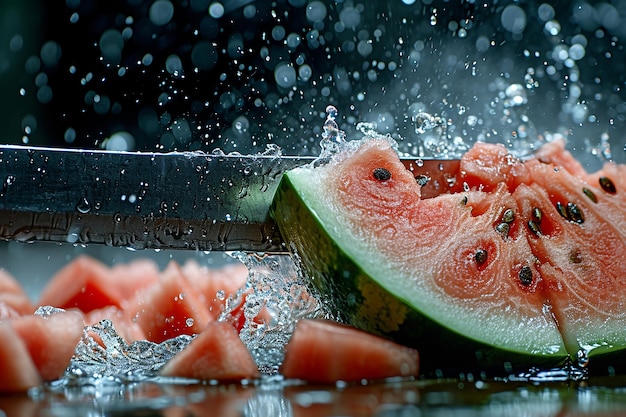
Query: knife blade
x,y
141,200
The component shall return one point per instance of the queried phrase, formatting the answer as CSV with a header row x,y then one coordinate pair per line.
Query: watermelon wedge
x,y
13,299
324,352
517,267
16,366
216,353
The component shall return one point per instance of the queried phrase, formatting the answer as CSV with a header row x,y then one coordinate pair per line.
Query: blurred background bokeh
x,y
160,75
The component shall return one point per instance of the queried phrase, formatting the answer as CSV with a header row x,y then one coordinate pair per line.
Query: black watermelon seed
x,y
481,256
575,257
422,180
533,226
590,194
525,276
562,210
537,215
607,185
464,200
503,229
574,213
508,216
382,174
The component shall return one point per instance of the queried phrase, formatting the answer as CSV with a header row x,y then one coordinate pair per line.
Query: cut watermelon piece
x,y
50,341
324,352
83,284
169,308
465,277
16,366
216,353
128,329
130,278
214,286
13,299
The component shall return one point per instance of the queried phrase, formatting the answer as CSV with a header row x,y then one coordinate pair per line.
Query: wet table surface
x,y
276,398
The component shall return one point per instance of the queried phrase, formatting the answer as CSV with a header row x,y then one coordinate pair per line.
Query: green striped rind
x,y
357,298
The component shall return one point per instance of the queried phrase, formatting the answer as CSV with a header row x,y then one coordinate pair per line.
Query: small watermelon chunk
x,y
216,353
321,351
50,341
128,329
215,285
169,308
16,366
130,278
83,284
13,299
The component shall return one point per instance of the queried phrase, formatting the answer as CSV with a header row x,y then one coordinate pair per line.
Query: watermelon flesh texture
x,y
579,261
408,268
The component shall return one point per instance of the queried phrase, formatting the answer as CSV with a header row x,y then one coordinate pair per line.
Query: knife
x,y
139,200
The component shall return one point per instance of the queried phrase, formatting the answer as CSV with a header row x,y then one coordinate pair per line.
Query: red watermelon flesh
x,y
578,256
13,299
321,351
130,278
215,285
169,308
50,341
216,353
411,233
525,256
84,284
16,366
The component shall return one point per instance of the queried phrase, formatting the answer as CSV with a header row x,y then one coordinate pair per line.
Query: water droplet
x,y
582,358
331,112
47,311
220,295
83,206
332,136
515,95
424,122
189,322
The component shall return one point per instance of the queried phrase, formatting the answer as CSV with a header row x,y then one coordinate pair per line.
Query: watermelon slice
x,y
16,366
13,299
50,341
216,353
322,351
490,277
215,285
84,284
169,308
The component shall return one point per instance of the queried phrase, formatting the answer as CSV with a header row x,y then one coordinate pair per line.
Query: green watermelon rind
x,y
334,273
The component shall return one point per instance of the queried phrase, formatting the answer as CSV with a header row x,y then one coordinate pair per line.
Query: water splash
x,y
47,311
425,122
332,137
515,96
116,359
274,299
541,376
